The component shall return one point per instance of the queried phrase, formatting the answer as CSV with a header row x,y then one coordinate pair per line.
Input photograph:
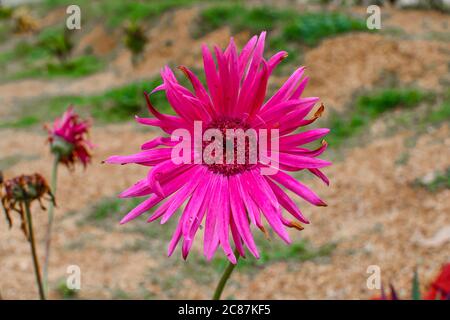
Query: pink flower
x,y
229,198
68,138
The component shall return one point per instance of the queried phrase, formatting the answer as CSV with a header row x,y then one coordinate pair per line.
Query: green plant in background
x,y
441,113
240,18
64,291
310,28
57,41
114,105
276,251
117,11
307,28
368,107
435,181
5,12
135,39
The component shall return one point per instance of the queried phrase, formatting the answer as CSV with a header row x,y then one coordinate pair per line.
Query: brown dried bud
x,y
20,191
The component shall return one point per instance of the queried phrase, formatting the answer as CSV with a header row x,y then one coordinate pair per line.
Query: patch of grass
x,y
368,107
73,68
114,105
120,294
117,11
435,182
307,28
64,291
440,114
388,99
111,209
239,18
23,122
122,103
274,251
48,57
311,28
5,12
57,41
24,53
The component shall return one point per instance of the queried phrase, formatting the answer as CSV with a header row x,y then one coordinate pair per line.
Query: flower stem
x,y
51,209
37,270
225,276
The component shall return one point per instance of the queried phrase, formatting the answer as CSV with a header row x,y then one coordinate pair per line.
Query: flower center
x,y
238,145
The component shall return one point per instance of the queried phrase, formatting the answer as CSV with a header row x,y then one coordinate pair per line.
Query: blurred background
x,y
387,100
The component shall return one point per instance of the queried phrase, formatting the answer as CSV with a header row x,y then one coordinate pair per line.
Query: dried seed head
x,y
17,192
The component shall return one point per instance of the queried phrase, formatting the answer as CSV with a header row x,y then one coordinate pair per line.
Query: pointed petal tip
x,y
232,258
124,220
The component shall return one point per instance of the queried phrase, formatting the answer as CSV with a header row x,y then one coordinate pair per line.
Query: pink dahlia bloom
x,y
229,198
68,138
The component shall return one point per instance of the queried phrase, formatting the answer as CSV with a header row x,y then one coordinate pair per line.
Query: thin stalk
x,y
51,209
37,270
225,276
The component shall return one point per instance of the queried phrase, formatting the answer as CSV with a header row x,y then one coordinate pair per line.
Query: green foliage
x,y
303,28
310,28
111,208
440,181
76,67
241,18
117,11
114,105
388,99
273,251
135,39
24,53
64,291
48,57
122,103
5,12
368,107
57,41
23,122
440,114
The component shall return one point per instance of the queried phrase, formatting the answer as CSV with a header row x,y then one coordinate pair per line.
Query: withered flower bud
x,y
17,192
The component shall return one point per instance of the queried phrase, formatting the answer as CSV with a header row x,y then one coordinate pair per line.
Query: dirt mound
x,y
341,65
98,41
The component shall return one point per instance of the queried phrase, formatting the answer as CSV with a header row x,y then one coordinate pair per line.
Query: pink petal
x,y
297,187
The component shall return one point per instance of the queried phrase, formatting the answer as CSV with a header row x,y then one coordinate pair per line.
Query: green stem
x,y
51,209
37,270
225,276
